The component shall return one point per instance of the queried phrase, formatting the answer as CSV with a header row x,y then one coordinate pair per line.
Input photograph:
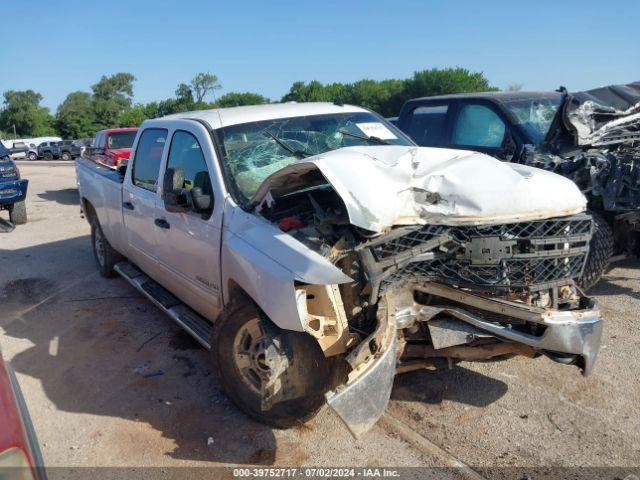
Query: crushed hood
x,y
383,186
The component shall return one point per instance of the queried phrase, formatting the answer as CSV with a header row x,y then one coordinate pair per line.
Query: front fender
x,y
267,262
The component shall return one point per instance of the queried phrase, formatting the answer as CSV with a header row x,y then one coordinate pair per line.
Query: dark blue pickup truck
x,y
13,189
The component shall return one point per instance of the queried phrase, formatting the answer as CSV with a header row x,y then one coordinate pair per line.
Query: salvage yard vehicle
x,y
591,137
20,456
48,150
112,147
316,251
13,189
19,150
69,149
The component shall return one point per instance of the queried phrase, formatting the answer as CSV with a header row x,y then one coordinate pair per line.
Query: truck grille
x,y
532,255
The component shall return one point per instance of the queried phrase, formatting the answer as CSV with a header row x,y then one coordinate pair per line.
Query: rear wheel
x,y
251,355
33,156
600,252
18,213
104,253
48,156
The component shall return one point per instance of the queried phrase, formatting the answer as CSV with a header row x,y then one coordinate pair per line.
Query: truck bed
x,y
100,188
100,169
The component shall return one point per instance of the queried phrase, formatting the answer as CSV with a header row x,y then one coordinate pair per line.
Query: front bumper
x,y
362,400
565,333
13,191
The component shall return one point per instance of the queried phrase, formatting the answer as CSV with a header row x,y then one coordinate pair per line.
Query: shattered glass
x,y
251,153
535,115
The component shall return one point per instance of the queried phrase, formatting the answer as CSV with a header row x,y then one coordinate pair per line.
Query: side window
x,y
186,154
427,125
146,162
478,126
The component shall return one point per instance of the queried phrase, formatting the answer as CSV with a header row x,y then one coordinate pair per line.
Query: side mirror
x,y
175,197
122,169
509,147
201,202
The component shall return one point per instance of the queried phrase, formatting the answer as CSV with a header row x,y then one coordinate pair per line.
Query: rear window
x,y
121,140
146,163
427,125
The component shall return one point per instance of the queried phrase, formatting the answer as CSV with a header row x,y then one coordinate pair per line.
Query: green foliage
x,y
387,96
138,114
428,83
237,99
22,109
75,117
202,84
112,97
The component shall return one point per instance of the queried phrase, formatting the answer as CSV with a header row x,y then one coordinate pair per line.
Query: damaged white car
x,y
316,251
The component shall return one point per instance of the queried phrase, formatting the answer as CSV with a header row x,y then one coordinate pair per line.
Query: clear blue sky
x,y
56,47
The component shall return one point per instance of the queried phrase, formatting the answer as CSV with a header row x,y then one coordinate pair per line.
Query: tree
x,y
134,116
387,96
236,99
112,96
427,83
75,117
184,93
202,84
22,110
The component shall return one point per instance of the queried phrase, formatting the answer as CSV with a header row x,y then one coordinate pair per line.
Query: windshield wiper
x,y
296,153
376,140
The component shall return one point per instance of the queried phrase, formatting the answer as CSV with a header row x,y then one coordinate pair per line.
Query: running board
x,y
197,326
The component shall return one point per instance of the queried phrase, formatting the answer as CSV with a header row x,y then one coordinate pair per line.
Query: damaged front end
x,y
430,256
430,295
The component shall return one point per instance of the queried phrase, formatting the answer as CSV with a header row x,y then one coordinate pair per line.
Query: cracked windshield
x,y
535,114
255,150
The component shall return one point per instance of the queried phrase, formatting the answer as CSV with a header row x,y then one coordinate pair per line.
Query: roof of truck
x,y
219,117
491,96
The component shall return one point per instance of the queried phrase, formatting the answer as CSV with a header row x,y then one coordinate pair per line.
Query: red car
x,y
112,147
19,452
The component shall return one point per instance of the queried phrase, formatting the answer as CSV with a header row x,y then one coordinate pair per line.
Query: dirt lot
x,y
111,382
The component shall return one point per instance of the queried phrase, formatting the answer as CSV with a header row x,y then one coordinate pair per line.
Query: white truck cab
x,y
315,250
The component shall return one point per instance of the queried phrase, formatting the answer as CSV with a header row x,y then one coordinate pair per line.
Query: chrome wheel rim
x,y
249,356
98,245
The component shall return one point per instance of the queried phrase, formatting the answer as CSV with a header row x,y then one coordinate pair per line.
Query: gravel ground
x,y
110,381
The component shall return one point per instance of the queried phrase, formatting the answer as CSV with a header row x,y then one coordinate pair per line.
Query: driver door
x,y
189,240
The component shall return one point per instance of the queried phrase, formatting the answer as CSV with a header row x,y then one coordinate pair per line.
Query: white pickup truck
x,y
316,251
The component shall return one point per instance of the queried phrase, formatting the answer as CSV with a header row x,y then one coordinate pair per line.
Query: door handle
x,y
128,205
162,223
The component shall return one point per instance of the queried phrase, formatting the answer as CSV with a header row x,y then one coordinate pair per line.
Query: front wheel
x,y
251,355
66,156
600,252
18,213
33,156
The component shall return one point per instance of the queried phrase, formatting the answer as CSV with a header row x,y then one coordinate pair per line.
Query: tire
x,y
600,252
18,213
48,156
106,256
33,156
302,352
66,156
